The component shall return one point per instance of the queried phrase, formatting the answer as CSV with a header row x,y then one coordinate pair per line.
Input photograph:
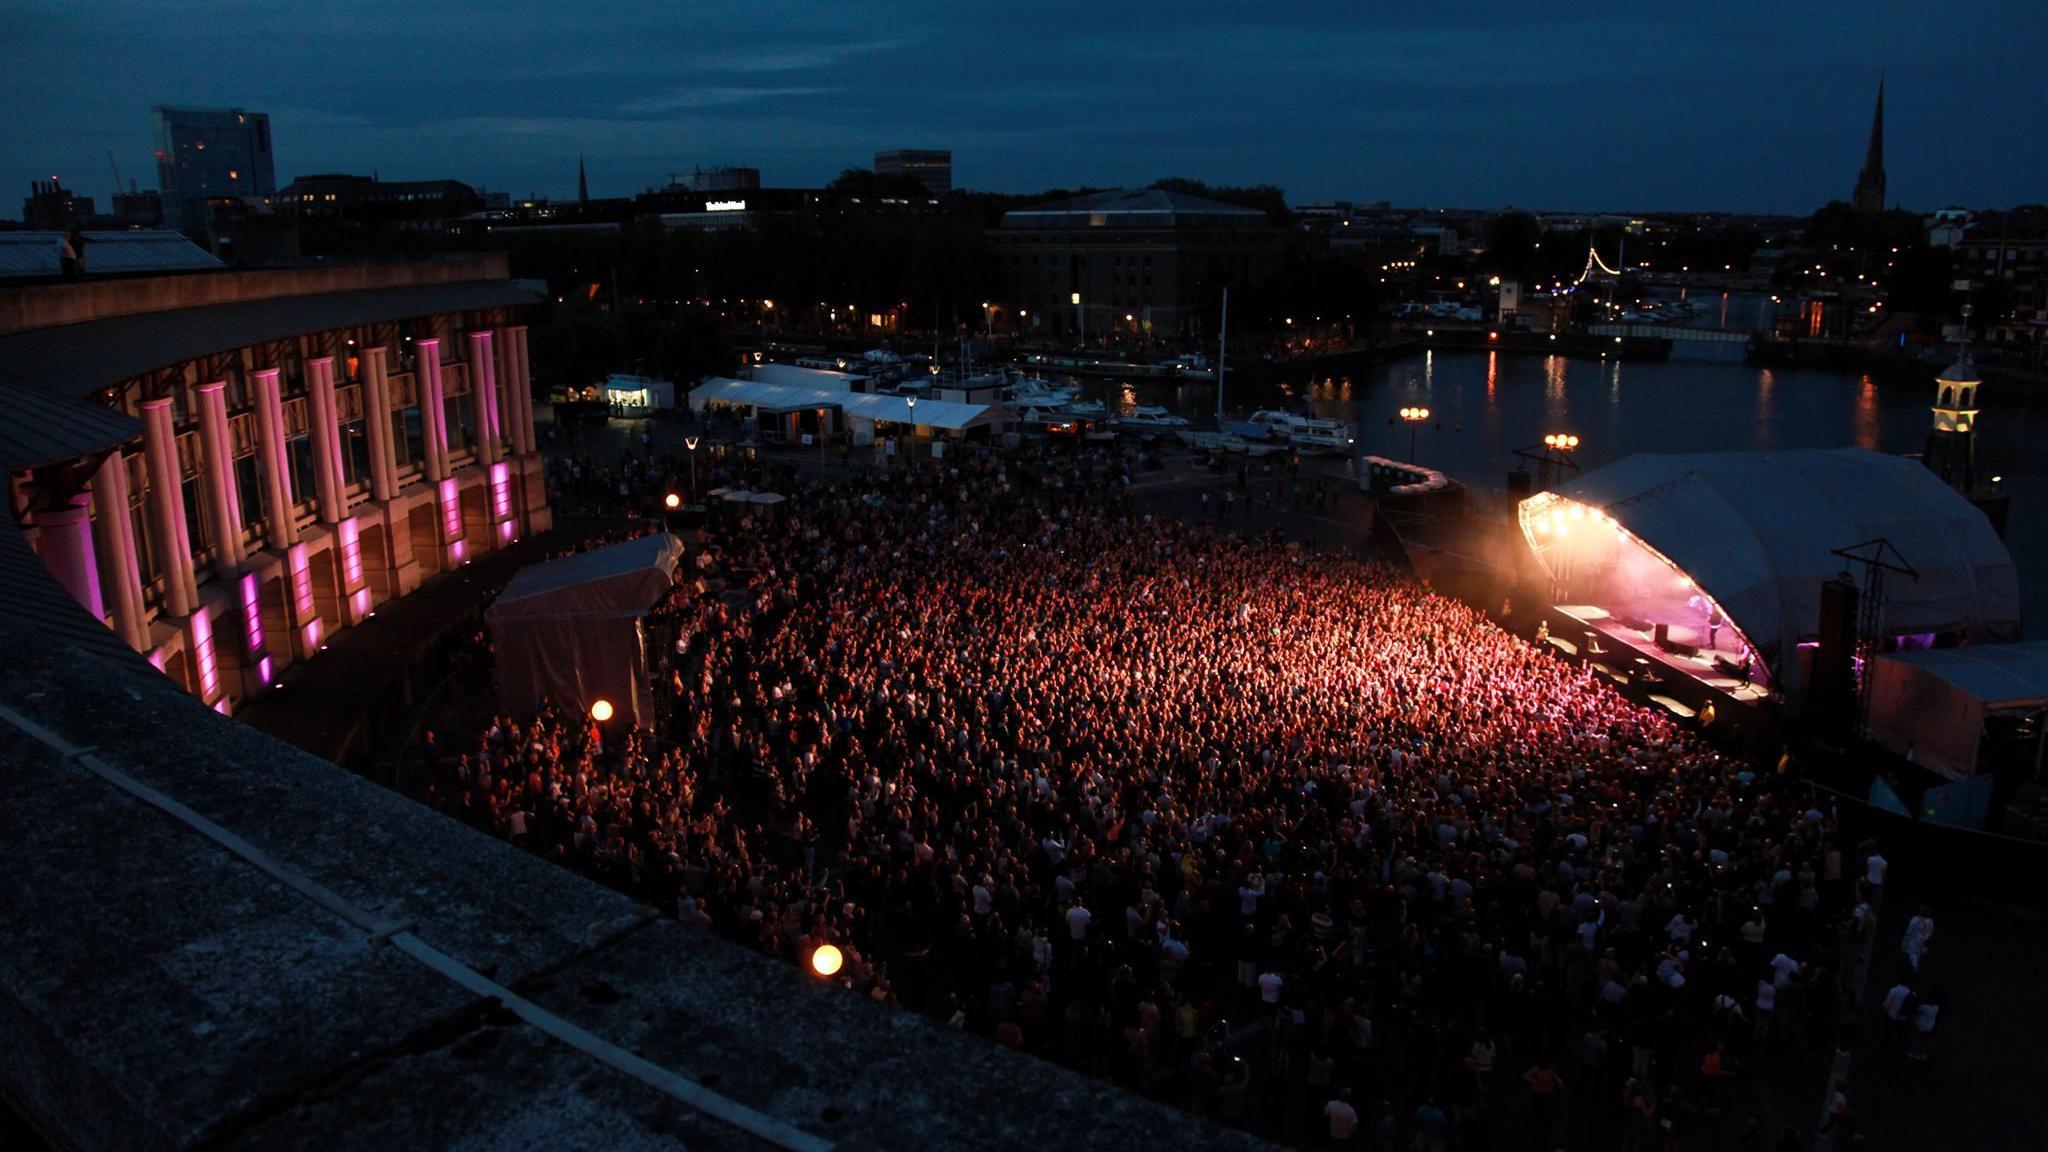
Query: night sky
x,y
1715,104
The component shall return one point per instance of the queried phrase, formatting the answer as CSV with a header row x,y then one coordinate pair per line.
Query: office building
x,y
932,168
1149,261
420,205
207,154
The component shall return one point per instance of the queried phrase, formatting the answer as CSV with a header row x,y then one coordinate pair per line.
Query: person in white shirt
x,y
1766,1008
1874,870
1783,969
1077,921
1898,1011
1919,931
1680,928
1269,988
1925,1017
1343,1118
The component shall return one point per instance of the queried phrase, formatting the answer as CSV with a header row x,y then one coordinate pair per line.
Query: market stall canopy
x,y
1757,530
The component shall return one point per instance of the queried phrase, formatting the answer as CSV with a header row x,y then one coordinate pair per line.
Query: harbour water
x,y
1483,406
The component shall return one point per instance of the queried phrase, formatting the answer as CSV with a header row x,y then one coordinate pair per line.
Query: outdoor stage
x,y
1631,656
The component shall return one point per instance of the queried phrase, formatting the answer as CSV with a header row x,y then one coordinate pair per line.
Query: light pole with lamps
x,y
1414,417
691,443
1558,447
911,438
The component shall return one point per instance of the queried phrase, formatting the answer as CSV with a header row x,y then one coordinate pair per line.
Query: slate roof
x,y
48,375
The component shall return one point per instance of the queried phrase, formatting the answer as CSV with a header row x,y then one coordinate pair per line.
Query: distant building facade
x,y
409,204
725,179
139,209
207,154
1150,261
53,207
227,468
931,167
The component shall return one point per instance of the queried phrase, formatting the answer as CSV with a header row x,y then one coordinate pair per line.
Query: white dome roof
x,y
1755,530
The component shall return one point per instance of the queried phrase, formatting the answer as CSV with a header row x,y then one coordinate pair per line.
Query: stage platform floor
x,y
1644,653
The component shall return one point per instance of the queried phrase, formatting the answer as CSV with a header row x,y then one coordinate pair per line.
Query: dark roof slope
x,y
1137,208
47,375
27,255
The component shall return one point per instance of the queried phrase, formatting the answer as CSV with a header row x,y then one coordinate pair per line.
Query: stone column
x,y
483,397
222,501
377,424
508,375
166,497
64,538
114,541
278,528
525,392
432,411
327,471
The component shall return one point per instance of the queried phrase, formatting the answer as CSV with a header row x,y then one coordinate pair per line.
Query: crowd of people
x,y
1276,833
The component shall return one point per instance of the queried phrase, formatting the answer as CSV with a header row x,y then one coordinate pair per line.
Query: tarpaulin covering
x,y
1935,702
1757,530
568,631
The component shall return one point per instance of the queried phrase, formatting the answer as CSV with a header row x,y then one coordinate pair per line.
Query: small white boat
x,y
1030,390
1151,419
1307,433
1086,410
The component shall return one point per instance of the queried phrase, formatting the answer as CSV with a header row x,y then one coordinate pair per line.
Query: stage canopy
x,y
568,631
1748,538
1935,702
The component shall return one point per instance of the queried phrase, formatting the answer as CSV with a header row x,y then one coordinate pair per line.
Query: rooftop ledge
x,y
159,990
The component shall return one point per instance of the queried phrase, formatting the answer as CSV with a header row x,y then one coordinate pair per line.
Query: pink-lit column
x,y
113,529
326,440
524,369
270,439
64,538
483,397
223,503
433,413
508,376
377,424
166,499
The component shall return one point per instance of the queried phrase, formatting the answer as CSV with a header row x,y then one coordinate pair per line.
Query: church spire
x,y
583,178
1869,195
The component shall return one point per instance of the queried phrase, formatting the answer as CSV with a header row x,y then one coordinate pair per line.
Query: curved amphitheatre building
x,y
217,940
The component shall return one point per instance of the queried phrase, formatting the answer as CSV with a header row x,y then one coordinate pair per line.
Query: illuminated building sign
x,y
725,205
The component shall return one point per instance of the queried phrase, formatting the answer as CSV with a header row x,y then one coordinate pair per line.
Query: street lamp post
x,y
910,439
1414,416
691,442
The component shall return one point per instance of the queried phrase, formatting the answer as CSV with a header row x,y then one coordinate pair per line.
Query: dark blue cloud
x,y
1740,104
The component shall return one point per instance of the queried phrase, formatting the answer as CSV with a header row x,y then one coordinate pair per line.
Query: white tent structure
x,y
640,392
860,411
1748,538
1935,702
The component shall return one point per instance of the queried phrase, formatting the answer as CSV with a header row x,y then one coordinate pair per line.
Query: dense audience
x,y
1279,834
